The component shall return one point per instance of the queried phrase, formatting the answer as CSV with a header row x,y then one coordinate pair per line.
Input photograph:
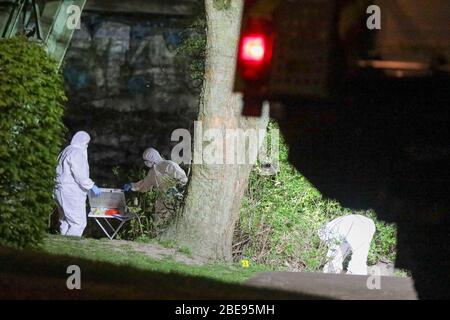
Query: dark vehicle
x,y
364,111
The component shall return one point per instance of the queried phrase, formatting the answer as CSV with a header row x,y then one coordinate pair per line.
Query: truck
x,y
361,93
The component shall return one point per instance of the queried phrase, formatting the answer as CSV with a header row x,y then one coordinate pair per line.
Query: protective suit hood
x,y
72,184
151,157
80,139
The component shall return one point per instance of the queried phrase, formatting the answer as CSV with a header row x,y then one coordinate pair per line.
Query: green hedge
x,y
280,217
31,131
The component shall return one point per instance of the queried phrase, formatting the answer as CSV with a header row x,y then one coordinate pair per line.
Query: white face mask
x,y
149,164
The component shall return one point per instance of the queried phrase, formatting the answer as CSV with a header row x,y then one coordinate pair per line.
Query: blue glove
x,y
127,187
96,190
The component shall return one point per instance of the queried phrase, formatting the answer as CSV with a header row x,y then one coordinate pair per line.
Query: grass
x,y
102,251
120,274
115,270
185,250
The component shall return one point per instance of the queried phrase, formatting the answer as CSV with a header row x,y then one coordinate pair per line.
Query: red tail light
x,y
255,50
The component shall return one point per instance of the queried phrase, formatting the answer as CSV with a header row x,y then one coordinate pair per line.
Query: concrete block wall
x,y
127,88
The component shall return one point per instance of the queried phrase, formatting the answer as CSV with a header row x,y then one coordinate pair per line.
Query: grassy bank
x,y
109,272
126,254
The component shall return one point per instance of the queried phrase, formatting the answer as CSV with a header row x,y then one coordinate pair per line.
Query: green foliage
x,y
31,131
144,205
185,250
139,203
280,217
170,244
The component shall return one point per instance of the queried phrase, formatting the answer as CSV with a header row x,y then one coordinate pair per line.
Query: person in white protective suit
x,y
72,185
351,233
163,174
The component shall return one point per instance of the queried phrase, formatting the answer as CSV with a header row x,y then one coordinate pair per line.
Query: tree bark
x,y
215,191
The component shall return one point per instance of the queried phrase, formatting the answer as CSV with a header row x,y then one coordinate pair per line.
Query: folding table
x,y
110,199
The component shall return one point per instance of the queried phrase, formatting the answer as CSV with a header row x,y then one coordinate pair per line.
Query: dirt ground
x,y
157,251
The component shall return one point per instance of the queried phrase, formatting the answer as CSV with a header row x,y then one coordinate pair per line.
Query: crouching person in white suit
x,y
352,233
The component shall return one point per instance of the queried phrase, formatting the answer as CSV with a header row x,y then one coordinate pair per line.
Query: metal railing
x,y
48,22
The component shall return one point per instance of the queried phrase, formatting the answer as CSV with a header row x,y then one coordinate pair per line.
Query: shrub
x,y
31,131
280,217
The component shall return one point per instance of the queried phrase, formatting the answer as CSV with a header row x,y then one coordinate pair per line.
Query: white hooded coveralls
x,y
344,234
72,185
163,175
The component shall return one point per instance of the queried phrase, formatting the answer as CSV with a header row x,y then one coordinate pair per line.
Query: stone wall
x,y
127,88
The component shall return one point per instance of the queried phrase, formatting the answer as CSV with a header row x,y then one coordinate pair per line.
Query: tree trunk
x,y
215,191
